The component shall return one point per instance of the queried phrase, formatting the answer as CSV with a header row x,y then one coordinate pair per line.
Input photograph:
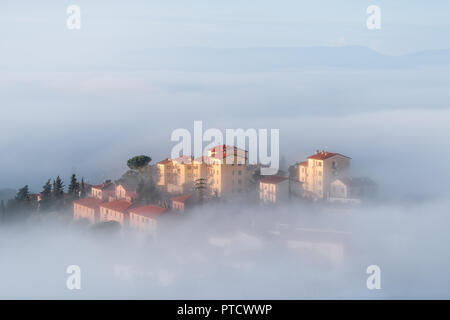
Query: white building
x,y
349,190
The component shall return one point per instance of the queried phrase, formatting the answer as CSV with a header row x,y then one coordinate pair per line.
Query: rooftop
x,y
182,198
117,205
165,161
92,203
322,155
149,211
104,186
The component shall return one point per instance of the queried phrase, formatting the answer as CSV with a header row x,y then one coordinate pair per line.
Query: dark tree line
x,y
52,198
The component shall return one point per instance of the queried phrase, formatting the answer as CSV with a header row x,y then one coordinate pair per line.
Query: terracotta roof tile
x,y
182,198
149,211
92,203
117,205
322,155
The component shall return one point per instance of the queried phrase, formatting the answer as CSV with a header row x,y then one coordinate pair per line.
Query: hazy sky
x,y
85,101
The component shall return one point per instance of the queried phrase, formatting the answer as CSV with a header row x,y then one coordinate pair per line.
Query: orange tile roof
x,y
304,163
273,179
103,186
149,211
183,159
165,161
322,155
92,203
203,159
182,198
117,205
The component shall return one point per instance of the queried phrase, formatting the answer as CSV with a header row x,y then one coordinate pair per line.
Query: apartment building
x,y
125,191
103,191
144,218
225,168
87,208
228,171
318,172
115,211
273,189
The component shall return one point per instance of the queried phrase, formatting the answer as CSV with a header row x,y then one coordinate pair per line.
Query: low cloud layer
x,y
237,252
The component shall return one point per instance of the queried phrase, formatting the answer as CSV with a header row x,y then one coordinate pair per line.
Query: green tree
x,y
22,196
58,192
73,190
83,191
147,191
138,162
46,196
20,206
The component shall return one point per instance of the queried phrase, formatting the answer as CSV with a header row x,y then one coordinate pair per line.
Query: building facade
x,y
318,172
115,211
87,208
103,191
144,218
273,189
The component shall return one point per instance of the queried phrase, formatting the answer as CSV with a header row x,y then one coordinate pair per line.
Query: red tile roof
x,y
92,203
220,151
322,155
273,179
183,159
103,186
203,159
147,211
304,163
182,198
117,205
165,161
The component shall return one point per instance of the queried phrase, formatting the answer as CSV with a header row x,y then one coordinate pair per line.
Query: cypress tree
x,y
82,189
46,196
74,188
22,195
58,192
20,205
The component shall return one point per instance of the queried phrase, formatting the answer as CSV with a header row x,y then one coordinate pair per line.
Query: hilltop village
x,y
139,198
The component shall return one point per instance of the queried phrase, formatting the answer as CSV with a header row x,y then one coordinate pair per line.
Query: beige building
x,y
125,191
144,218
318,172
178,175
87,208
228,170
103,191
225,169
273,189
115,211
